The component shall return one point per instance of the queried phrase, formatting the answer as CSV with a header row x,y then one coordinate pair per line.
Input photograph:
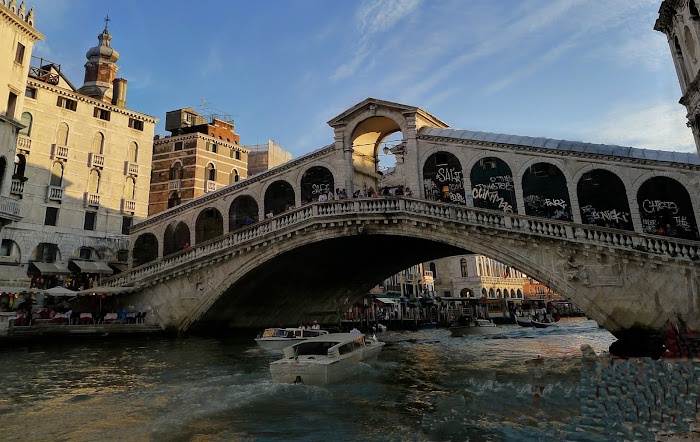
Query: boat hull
x,y
542,324
524,322
276,343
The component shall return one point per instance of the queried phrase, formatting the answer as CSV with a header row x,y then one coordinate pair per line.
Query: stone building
x,y
680,21
81,174
475,276
266,156
17,38
201,155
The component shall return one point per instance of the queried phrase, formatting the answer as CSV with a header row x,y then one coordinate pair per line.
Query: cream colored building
x,y
475,276
266,156
17,38
81,173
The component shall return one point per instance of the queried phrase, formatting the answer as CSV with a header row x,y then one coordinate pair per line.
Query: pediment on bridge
x,y
372,104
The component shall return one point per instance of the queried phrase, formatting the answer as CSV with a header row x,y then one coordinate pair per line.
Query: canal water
x,y
426,385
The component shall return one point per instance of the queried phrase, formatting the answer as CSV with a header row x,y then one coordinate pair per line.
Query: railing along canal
x,y
472,216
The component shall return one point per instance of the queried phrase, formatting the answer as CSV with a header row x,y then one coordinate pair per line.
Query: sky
x,y
581,70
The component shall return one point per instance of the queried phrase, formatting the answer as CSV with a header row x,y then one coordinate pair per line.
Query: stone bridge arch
x,y
523,170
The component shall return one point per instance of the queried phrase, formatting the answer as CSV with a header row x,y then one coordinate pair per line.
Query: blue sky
x,y
584,70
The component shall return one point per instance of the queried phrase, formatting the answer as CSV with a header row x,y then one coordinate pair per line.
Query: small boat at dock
x,y
524,321
279,338
474,327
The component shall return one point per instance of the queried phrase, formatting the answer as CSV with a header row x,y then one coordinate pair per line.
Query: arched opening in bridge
x,y
443,179
466,293
603,200
378,149
145,249
545,192
243,211
210,224
315,181
278,197
663,203
175,238
492,185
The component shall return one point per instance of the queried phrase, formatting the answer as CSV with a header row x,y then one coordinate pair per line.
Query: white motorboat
x,y
279,338
474,327
325,359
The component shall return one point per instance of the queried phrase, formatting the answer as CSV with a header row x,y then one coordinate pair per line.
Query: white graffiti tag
x,y
651,206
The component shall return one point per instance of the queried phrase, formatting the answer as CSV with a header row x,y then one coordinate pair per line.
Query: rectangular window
x,y
6,247
11,104
238,154
30,92
67,103
178,145
90,218
19,55
85,253
212,147
102,114
126,224
51,216
135,124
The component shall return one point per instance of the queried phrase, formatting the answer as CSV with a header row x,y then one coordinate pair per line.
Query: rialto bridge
x,y
584,219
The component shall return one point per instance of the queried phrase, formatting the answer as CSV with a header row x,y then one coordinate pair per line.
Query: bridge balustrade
x,y
598,236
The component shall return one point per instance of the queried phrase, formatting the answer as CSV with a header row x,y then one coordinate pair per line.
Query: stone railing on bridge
x,y
471,216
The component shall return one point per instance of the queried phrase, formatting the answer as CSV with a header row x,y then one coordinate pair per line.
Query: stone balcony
x,y
17,187
128,206
54,193
97,160
24,144
131,168
10,209
92,199
174,185
210,186
60,152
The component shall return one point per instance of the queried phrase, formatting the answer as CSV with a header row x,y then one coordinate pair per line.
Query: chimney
x,y
119,97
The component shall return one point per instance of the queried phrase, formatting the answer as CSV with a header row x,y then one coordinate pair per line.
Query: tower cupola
x,y
101,68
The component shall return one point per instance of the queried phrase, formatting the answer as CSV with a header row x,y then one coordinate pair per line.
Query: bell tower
x,y
680,21
101,68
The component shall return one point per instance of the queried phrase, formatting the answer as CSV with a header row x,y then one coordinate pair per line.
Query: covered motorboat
x,y
473,327
325,359
279,338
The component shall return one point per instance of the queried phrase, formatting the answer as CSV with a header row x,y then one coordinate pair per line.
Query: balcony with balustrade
x,y
59,152
174,185
17,187
24,144
131,168
97,160
92,199
128,206
210,186
10,209
54,193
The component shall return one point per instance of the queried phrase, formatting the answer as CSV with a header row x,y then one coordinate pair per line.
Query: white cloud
x,y
372,18
659,126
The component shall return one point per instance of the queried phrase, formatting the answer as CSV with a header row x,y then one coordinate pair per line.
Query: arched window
x,y
145,249
20,165
443,178
315,181
234,176
133,152
210,224
129,188
175,172
211,172
62,134
463,267
98,143
27,122
546,193
56,174
94,182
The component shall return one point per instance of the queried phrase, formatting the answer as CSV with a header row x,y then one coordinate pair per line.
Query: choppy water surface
x,y
426,385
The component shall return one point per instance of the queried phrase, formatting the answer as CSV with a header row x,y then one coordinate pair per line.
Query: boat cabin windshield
x,y
350,346
313,348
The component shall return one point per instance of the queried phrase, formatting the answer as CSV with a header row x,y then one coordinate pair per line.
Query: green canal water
x,y
426,385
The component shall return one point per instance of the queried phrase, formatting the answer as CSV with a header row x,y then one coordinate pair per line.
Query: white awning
x,y
51,268
93,267
59,291
386,300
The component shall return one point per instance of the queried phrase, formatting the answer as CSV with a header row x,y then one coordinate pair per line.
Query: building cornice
x,y
667,11
97,103
231,188
23,26
193,136
561,153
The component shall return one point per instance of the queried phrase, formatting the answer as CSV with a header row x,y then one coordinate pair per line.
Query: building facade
x,y
17,38
201,155
266,156
680,21
81,174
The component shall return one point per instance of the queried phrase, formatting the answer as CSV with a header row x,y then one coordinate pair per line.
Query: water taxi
x,y
325,359
279,338
474,327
